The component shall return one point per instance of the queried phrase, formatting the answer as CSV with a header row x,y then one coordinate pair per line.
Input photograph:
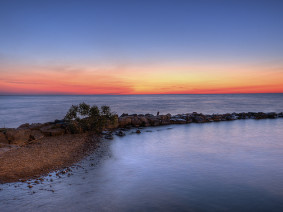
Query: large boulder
x,y
136,122
124,121
3,138
144,121
18,136
153,120
165,119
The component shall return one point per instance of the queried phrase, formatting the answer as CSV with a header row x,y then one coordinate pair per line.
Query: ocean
x,y
218,166
16,110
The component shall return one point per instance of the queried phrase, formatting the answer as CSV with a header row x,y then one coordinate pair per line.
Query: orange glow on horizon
x,y
152,80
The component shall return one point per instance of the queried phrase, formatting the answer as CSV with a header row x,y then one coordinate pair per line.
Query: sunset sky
x,y
141,46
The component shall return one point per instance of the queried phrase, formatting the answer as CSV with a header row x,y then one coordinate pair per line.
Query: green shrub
x,y
84,118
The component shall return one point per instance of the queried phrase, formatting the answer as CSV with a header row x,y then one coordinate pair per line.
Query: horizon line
x,y
62,94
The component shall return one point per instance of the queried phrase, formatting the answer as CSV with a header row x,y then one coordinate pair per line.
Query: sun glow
x,y
137,80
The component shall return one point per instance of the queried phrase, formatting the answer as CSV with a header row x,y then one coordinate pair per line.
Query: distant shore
x,y
32,150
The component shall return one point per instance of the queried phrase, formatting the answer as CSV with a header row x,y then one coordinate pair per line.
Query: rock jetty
x,y
32,150
27,133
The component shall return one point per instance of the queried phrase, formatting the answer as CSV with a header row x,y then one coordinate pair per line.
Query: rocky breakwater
x,y
29,133
126,121
147,120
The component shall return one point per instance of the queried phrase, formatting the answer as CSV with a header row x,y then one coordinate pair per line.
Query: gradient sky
x,y
141,46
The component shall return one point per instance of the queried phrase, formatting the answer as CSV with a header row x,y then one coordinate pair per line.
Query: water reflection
x,y
234,166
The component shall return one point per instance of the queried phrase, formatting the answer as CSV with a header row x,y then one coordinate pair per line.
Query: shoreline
x,y
33,150
48,154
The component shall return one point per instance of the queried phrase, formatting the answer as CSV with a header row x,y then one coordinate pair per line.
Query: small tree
x,y
83,118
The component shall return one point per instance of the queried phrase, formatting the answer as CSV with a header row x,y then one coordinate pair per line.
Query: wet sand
x,y
43,156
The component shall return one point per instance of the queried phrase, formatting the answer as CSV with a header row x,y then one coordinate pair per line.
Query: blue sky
x,y
135,33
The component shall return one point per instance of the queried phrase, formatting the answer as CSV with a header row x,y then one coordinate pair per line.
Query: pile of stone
x,y
146,120
31,132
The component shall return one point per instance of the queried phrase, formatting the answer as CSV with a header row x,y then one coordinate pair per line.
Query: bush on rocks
x,y
84,118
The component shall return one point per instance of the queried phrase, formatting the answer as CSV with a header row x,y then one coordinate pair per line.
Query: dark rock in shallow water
x,y
109,136
120,133
138,131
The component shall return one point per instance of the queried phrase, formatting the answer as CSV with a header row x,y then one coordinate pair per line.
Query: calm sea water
x,y
223,166
16,110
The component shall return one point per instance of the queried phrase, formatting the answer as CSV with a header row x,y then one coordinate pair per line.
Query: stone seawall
x,y
28,133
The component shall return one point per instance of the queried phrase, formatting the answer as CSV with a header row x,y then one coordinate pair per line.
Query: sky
x,y
141,46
